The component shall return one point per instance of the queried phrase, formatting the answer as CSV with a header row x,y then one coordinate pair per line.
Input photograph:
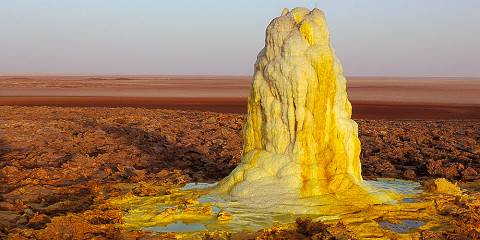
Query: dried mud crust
x,y
59,165
420,149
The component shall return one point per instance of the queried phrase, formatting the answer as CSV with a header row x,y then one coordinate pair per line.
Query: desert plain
x,y
70,143
372,97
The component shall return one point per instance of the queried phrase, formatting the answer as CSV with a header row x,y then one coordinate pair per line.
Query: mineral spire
x,y
299,138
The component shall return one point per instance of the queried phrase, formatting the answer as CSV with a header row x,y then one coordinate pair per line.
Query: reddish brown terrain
x,y
59,165
372,97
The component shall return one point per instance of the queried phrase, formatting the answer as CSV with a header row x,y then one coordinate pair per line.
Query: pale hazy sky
x,y
371,37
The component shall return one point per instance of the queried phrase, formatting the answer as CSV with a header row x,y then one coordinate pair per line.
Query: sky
x,y
223,37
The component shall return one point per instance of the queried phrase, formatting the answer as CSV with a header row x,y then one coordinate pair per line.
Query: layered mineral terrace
x,y
299,138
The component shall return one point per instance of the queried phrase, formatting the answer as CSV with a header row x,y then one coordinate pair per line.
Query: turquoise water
x,y
397,185
191,186
404,226
178,226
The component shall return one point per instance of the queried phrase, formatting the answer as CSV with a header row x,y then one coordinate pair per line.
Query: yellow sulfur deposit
x,y
299,138
442,185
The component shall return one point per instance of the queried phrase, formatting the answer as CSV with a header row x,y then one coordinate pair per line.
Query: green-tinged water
x,y
148,213
178,226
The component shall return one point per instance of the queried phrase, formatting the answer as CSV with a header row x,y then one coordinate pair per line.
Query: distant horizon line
x,y
221,75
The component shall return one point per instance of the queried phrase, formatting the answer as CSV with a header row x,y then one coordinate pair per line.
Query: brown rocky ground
x,y
59,165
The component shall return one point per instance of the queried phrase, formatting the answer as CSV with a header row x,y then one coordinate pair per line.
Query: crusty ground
x,y
57,165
